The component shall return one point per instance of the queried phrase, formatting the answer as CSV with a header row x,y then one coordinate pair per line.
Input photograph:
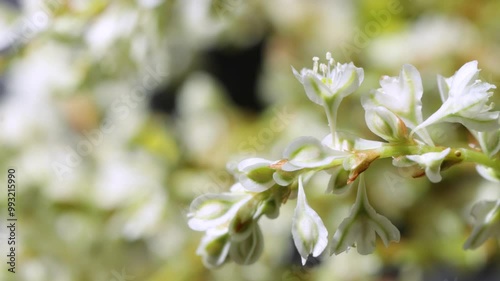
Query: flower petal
x,y
431,161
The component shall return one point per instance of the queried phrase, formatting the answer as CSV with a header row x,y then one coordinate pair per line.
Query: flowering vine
x,y
392,112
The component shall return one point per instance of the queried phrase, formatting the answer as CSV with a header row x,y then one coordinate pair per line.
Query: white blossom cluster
x,y
392,112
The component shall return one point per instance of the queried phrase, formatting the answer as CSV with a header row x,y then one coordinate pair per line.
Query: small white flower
x,y
401,95
361,227
464,101
386,124
333,82
309,233
308,152
431,162
329,88
487,223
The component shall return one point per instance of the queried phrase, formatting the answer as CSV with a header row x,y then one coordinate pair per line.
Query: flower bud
x,y
214,250
247,251
212,210
309,233
487,223
386,124
256,174
339,181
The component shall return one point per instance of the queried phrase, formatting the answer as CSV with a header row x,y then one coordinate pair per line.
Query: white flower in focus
x,y
487,223
431,162
464,101
309,233
333,82
402,96
361,227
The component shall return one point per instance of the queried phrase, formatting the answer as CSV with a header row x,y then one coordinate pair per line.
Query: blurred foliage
x,y
105,181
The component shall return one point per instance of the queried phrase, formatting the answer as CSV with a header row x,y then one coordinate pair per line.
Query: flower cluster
x,y
393,113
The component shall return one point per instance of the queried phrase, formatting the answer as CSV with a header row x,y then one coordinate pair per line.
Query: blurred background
x,y
117,114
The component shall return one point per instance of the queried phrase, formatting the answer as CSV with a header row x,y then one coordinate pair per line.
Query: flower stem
x,y
331,115
456,155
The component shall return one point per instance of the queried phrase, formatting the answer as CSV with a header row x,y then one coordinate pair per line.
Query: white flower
x,y
464,101
309,233
431,162
361,227
386,124
487,223
335,81
329,88
401,95
308,152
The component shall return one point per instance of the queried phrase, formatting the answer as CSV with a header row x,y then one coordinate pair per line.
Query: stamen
x,y
315,64
330,61
323,68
